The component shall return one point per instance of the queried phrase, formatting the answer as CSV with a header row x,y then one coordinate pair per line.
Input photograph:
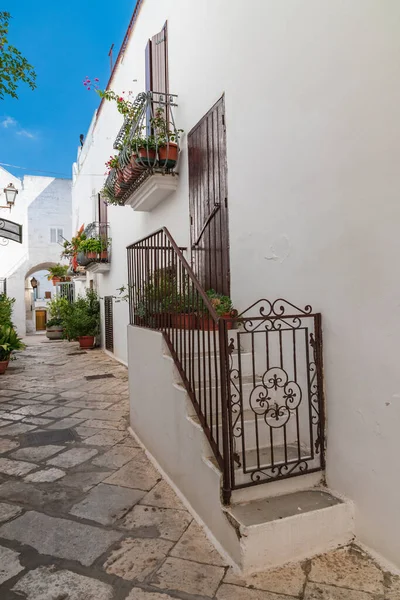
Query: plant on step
x,y
222,305
9,342
6,307
57,271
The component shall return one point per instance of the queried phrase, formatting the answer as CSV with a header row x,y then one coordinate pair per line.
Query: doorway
x,y
41,319
208,200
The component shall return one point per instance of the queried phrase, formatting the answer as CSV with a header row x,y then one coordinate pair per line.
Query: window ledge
x,y
153,190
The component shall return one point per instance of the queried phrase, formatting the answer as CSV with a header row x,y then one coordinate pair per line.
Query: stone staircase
x,y
265,525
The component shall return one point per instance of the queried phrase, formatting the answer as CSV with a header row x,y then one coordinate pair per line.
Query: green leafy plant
x,y
57,270
6,307
91,245
83,316
9,342
54,322
14,68
163,134
222,304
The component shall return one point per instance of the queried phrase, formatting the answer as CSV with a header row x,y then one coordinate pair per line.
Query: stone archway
x,y
30,302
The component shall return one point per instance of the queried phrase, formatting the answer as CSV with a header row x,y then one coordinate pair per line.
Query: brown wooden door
x,y
41,320
208,199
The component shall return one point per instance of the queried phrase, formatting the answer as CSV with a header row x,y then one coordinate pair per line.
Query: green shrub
x,y
6,306
82,317
9,342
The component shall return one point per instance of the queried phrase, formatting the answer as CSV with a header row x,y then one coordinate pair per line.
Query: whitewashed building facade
x,y
43,208
304,97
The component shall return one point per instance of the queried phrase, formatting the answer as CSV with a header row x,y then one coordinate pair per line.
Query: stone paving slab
x,y
9,564
167,523
106,503
8,511
115,458
73,457
286,580
187,576
60,537
100,519
163,495
135,559
36,453
46,583
105,438
138,473
45,476
194,545
17,468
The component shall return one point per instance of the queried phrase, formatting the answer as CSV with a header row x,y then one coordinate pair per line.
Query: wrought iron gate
x,y
109,323
275,393
209,200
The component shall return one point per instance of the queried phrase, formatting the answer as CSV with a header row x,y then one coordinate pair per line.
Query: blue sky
x,y
64,41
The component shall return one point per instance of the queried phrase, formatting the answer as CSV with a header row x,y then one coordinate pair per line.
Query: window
x,y
56,235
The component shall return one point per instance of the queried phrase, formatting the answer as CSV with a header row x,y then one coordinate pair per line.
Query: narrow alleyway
x,y
85,516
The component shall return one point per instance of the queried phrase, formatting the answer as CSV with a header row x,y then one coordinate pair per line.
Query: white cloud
x,y
8,122
26,133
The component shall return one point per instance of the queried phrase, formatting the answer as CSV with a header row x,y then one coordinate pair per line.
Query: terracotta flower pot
x,y
183,321
56,280
104,255
206,323
128,173
3,366
86,341
120,176
91,255
146,157
168,155
118,189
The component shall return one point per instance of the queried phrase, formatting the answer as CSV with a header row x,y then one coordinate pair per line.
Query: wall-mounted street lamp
x,y
10,193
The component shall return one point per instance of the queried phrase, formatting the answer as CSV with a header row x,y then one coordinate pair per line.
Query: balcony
x,y
144,173
95,249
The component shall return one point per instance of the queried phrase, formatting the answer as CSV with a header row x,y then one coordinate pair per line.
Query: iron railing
x,y
65,289
3,285
148,143
255,380
100,232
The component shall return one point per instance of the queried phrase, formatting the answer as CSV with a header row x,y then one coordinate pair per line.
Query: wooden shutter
x,y
109,323
159,66
102,209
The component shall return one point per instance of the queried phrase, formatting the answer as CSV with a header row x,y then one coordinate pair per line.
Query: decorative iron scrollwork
x,y
275,407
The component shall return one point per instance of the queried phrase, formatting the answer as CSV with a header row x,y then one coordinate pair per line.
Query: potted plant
x,y
146,151
91,247
222,305
167,140
54,329
58,273
105,244
82,321
183,315
57,309
9,343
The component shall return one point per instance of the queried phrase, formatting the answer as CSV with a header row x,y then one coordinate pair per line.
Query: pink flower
x,y
88,88
95,79
121,99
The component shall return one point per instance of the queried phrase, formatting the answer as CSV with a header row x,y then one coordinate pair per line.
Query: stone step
x,y
289,527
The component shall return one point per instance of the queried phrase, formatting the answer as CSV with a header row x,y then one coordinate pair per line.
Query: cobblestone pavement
x,y
89,518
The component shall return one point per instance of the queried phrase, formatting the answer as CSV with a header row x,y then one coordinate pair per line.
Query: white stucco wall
x,y
312,91
42,203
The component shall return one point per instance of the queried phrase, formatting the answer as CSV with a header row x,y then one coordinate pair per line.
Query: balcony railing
x,y
148,144
96,248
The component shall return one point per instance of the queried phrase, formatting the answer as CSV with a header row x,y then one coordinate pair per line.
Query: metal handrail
x,y
165,295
